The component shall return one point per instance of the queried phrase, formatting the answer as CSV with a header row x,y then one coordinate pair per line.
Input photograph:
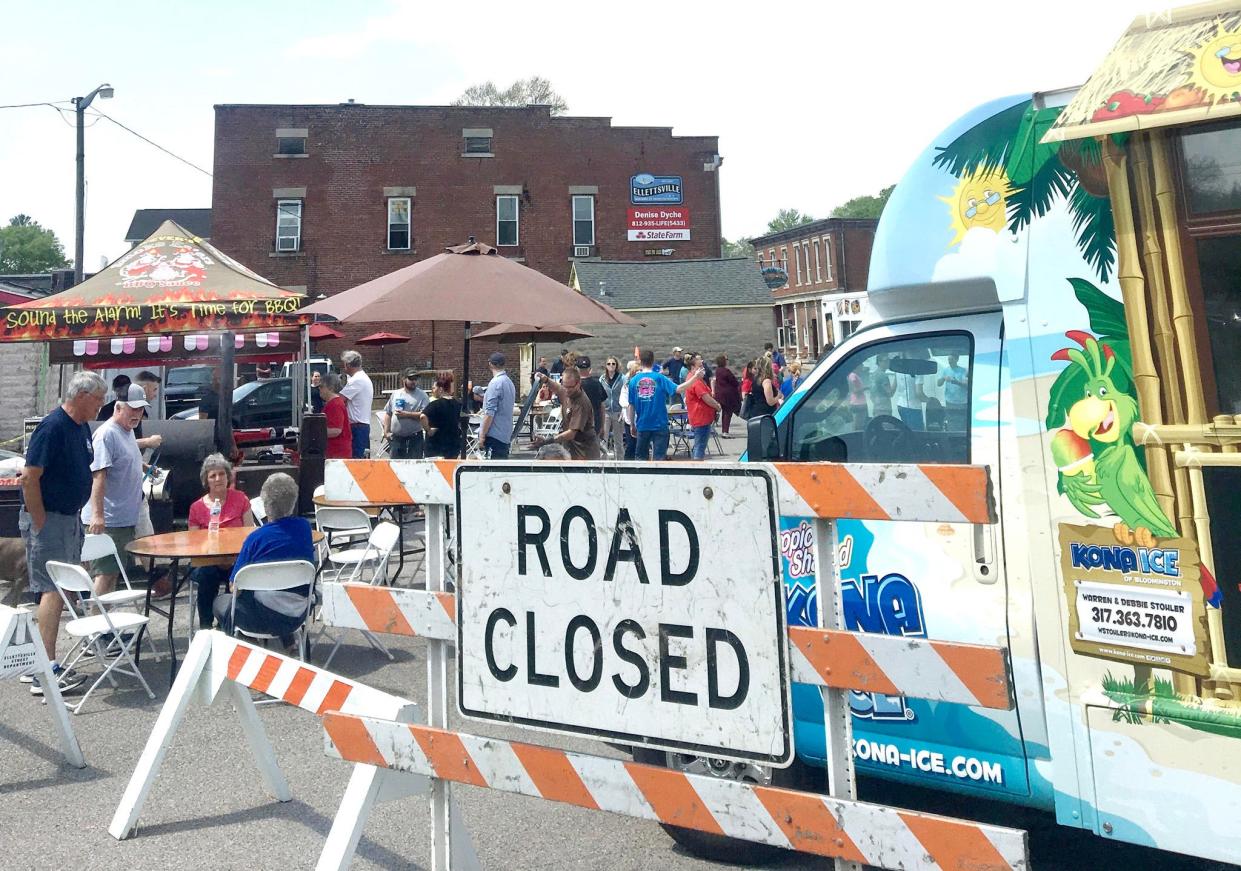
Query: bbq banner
x,y
1134,604
27,323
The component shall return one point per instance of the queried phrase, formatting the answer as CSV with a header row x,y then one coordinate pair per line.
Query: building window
x,y
398,224
771,257
797,259
290,144
478,145
583,220
827,256
288,225
506,221
784,258
818,266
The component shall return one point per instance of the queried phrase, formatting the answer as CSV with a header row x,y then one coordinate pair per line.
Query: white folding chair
x,y
258,510
283,575
549,426
377,553
339,526
90,630
99,546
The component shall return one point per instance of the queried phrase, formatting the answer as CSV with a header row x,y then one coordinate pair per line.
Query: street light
x,y
79,105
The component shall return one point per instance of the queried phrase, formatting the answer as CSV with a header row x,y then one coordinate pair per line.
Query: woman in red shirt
x,y
217,479
339,437
700,407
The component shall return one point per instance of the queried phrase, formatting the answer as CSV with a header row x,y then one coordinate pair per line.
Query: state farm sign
x,y
658,222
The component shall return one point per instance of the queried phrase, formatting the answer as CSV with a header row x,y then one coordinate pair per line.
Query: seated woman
x,y
217,479
284,537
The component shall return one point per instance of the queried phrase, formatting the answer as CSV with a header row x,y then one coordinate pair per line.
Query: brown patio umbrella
x,y
382,339
520,334
468,283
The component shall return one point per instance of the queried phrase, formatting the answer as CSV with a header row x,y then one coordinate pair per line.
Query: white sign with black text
x,y
638,603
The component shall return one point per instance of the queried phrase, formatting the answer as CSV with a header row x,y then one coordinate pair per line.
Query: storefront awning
x,y
1171,67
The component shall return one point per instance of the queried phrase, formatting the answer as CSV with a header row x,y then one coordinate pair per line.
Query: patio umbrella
x,y
383,339
520,334
324,331
467,283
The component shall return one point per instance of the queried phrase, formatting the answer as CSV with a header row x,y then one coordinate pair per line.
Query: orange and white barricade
x,y
22,653
830,656
216,662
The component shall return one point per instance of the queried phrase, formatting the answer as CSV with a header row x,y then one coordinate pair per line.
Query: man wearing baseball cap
x,y
673,365
116,483
496,431
402,421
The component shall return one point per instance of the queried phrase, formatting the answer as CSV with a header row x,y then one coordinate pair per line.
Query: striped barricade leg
x,y
218,662
855,831
21,653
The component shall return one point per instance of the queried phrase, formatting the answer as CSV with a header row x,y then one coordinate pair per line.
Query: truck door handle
x,y
984,554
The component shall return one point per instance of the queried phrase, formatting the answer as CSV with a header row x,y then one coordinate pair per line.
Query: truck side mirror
x,y
761,441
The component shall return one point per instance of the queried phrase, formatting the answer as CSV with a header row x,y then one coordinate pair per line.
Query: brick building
x,y
323,198
824,299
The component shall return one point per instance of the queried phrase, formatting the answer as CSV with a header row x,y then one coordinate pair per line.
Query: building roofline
x,y
811,227
353,107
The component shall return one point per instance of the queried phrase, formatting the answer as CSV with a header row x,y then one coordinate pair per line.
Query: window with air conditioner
x,y
583,222
506,221
398,224
478,145
288,225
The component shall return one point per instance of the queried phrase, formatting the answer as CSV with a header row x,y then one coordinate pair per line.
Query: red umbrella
x,y
381,339
324,331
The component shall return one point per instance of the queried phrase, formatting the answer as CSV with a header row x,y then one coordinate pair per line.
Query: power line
x,y
28,105
153,144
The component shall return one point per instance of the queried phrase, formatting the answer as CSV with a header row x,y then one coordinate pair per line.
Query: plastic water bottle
x,y
213,527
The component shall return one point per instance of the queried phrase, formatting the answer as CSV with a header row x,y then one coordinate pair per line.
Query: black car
x,y
258,404
185,387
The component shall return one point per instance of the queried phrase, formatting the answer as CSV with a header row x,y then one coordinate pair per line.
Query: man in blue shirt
x,y
673,365
56,484
496,431
285,536
649,393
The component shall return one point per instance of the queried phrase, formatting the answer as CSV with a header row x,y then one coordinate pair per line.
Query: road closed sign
x,y
639,604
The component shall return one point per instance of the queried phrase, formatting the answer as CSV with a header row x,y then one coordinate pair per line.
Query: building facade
x,y
824,298
322,198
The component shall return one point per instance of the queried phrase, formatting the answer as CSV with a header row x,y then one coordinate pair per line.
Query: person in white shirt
x,y
359,396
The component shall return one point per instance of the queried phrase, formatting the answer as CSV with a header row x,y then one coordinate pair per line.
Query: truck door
x,y
924,392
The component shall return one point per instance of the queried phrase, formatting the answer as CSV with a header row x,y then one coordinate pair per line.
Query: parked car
x,y
258,404
184,387
322,365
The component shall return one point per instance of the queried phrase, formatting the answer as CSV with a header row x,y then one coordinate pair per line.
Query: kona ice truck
x,y
1056,293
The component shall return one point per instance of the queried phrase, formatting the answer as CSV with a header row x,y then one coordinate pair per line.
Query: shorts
x,y
60,540
106,565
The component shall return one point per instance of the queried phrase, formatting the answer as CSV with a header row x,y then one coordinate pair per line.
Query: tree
x,y
522,92
864,206
740,248
787,219
27,248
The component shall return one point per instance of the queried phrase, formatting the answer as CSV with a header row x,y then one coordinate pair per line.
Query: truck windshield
x,y
898,400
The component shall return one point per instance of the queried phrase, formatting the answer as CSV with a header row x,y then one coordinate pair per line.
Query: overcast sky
x,y
813,103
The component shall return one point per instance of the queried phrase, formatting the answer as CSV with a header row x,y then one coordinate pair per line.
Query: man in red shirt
x,y
339,436
700,407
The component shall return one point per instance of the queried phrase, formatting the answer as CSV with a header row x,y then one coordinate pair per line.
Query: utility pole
x,y
79,105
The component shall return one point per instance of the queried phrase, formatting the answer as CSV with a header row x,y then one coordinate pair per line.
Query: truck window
x,y
900,400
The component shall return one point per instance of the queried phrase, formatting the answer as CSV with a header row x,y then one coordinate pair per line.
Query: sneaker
x,y
67,681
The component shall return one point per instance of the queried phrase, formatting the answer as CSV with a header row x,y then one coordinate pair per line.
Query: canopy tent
x,y
1172,66
173,282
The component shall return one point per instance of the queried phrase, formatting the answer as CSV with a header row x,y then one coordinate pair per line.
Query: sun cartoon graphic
x,y
1216,67
980,199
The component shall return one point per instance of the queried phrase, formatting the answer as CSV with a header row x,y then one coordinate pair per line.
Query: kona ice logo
x,y
888,605
1147,560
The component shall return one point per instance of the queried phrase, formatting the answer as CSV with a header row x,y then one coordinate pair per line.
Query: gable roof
x,y
655,284
147,221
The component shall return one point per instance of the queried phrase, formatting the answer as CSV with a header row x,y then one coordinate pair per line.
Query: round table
x,y
199,547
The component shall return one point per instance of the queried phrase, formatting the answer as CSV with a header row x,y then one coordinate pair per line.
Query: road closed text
x,y
626,610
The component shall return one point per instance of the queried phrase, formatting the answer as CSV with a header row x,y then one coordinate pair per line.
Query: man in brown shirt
x,y
577,418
